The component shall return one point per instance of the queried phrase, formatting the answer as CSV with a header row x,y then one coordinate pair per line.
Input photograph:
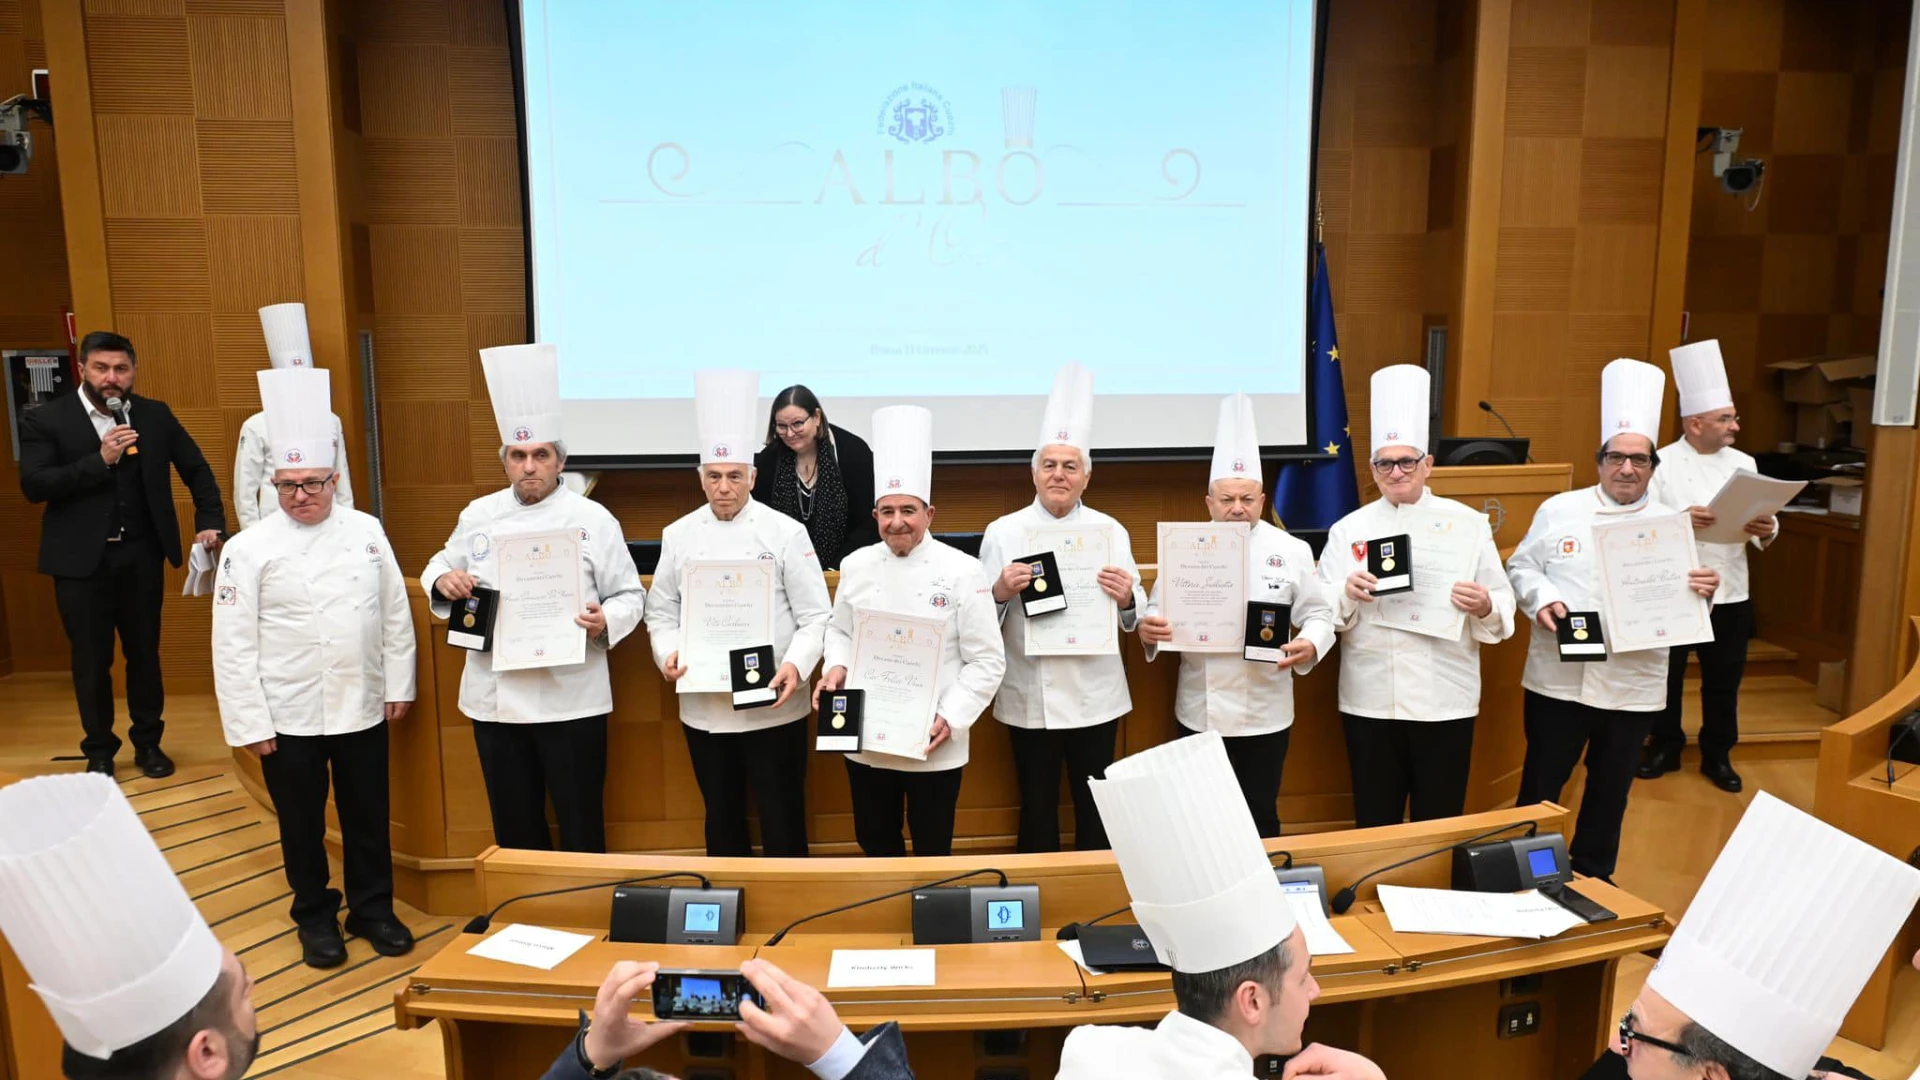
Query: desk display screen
x,y
1541,861
702,919
1006,914
1300,888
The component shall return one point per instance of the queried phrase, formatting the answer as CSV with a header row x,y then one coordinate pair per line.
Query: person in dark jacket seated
x,y
819,474
797,1023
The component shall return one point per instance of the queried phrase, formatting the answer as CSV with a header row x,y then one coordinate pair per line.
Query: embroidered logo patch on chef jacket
x,y
226,594
479,547
1569,546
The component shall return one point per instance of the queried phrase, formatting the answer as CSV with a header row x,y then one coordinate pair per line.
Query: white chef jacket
x,y
1556,562
253,494
1227,693
937,582
1177,1048
801,606
543,695
1686,477
311,630
1392,674
1057,691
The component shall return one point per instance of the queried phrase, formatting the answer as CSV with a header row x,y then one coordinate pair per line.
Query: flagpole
x,y
1319,222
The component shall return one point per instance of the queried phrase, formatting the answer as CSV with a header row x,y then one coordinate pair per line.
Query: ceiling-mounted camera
x,y
16,141
1736,177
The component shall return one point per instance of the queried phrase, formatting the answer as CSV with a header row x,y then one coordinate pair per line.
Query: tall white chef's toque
x,y
524,383
1783,935
1068,420
903,452
1700,376
299,424
106,932
285,328
1202,884
1236,442
1401,407
1631,395
726,405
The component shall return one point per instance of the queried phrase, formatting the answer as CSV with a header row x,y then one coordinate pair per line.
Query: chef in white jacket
x,y
1692,470
1250,703
1202,886
541,732
254,497
1060,710
1409,697
1599,709
760,751
910,573
313,655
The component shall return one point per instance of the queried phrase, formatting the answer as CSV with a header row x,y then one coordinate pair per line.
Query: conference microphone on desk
x,y
1488,408
1343,899
775,939
480,923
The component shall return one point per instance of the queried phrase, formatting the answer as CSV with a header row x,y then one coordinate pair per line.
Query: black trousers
x,y
1258,761
1723,661
122,596
525,764
771,765
297,775
1558,734
1407,769
930,798
1038,754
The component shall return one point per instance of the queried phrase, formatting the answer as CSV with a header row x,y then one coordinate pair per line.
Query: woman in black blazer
x,y
817,474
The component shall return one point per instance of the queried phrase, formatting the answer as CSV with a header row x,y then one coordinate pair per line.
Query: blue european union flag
x,y
1315,494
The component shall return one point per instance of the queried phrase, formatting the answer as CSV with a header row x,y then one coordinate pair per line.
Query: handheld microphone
x,y
1071,931
479,923
775,939
119,410
1343,899
1486,407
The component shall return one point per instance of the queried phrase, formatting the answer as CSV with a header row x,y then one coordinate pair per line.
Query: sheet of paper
x,y
1203,585
1072,949
542,590
1444,552
1475,914
199,580
725,605
1089,625
851,968
1303,899
1745,497
1645,600
530,946
896,660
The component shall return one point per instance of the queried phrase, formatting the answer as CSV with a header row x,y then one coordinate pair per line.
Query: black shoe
x,y
154,763
389,936
321,945
1657,761
104,766
1720,771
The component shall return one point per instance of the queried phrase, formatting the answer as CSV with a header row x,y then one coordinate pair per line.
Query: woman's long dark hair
x,y
800,396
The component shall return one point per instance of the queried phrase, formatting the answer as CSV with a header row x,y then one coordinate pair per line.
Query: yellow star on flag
x,y
1333,353
1333,448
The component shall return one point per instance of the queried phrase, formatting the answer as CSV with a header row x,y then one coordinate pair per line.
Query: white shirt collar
x,y
1048,514
86,399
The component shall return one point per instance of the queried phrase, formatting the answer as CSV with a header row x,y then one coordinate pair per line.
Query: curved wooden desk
x,y
1407,1000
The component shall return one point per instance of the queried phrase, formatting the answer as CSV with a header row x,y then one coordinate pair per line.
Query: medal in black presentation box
x,y
1267,628
752,670
837,730
470,625
1580,639
1390,561
1043,594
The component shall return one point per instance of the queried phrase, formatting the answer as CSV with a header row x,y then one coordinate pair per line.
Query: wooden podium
x,y
439,803
1419,1005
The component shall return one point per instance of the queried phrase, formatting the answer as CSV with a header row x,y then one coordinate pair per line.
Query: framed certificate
x,y
1645,601
1203,584
1089,623
1443,551
724,605
542,590
896,663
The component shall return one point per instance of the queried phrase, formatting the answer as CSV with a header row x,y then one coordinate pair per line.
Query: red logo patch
x,y
1359,551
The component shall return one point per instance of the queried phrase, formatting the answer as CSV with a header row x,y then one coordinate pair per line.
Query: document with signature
x,y
1444,552
1203,584
1645,601
1089,624
896,661
541,592
725,605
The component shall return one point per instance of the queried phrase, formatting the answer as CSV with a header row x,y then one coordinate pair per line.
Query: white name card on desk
x,y
530,946
1475,914
856,968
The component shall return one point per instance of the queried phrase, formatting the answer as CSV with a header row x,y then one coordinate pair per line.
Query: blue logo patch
x,y
915,114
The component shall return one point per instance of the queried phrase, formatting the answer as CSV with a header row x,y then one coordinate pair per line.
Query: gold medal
x,y
1266,633
466,621
1039,584
839,721
753,676
1579,635
1386,564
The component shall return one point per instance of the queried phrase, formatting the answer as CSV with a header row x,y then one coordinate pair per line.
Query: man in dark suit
x,y
99,460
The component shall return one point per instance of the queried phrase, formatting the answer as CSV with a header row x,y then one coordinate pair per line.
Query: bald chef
x,y
1250,703
1410,669
1600,709
730,542
313,655
1061,701
541,731
1692,470
1203,889
254,496
912,574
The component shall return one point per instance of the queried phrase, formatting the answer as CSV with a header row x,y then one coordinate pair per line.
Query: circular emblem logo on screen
x,y
938,600
720,451
295,457
915,114
893,483
522,433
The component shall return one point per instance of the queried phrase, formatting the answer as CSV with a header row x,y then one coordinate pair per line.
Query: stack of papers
x,y
1746,496
1322,938
1475,914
